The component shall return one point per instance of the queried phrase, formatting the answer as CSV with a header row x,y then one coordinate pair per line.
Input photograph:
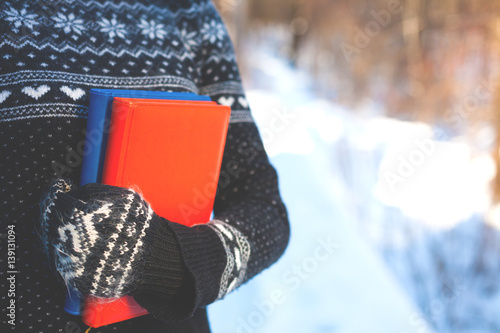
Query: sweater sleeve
x,y
250,228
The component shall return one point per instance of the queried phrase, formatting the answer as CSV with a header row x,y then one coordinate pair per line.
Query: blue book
x,y
101,101
96,138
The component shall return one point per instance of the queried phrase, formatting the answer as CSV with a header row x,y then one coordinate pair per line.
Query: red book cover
x,y
171,152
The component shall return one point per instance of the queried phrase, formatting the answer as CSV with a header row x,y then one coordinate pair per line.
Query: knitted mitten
x,y
107,241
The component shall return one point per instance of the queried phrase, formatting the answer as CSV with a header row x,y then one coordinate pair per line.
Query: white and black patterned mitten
x,y
108,242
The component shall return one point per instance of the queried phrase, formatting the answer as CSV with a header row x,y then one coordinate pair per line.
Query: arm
x,y
250,229
107,241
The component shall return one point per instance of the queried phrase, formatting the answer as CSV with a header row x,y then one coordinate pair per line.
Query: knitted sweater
x,y
51,54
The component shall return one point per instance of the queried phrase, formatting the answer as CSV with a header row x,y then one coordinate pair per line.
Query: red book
x,y
171,152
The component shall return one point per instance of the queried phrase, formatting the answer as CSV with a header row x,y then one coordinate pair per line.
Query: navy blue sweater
x,y
51,54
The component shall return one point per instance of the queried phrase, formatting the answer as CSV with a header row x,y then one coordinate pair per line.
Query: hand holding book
x,y
106,239
171,150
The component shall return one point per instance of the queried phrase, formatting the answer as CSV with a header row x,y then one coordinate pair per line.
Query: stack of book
x,y
167,145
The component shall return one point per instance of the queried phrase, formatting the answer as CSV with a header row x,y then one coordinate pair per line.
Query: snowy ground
x,y
334,276
391,226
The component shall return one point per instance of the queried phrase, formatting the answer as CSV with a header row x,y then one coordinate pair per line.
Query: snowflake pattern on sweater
x,y
52,53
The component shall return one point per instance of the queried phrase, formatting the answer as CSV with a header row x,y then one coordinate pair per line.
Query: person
x,y
108,241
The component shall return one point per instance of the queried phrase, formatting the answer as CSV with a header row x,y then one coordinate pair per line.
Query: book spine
x,y
116,147
105,126
91,167
94,138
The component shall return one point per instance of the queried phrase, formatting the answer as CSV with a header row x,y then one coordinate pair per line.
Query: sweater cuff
x,y
163,277
205,258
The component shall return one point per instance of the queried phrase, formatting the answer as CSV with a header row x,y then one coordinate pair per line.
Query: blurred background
x,y
381,118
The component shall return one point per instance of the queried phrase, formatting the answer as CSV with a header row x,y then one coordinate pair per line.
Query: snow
x,y
392,224
331,279
411,166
